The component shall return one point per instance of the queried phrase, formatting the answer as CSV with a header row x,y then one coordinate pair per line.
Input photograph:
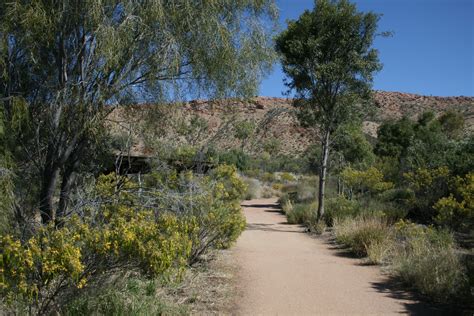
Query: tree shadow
x,y
414,303
279,211
270,228
269,206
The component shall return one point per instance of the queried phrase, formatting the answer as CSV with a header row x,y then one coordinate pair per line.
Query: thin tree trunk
x,y
322,176
50,179
67,182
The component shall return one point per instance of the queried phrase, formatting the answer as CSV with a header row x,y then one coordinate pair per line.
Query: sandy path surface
x,y
284,271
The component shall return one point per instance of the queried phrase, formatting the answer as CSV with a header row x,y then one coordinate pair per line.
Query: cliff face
x,y
274,120
394,105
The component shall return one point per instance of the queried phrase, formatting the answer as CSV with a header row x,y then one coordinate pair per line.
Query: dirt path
x,y
283,271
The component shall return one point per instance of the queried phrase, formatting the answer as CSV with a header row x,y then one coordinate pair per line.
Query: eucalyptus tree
x,y
65,64
328,58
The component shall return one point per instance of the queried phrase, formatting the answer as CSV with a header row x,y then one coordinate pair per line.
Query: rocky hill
x,y
272,118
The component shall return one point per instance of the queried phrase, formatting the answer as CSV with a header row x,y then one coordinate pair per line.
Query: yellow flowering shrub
x,y
119,232
457,210
287,177
424,179
370,180
29,271
230,186
219,215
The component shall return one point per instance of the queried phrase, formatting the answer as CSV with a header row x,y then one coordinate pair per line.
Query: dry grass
x,y
208,288
361,233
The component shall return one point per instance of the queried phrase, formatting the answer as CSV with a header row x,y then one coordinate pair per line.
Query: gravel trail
x,y
281,270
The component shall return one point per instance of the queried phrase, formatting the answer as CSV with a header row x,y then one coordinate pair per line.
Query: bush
x,y
340,208
306,190
370,180
287,177
426,258
361,232
277,186
237,158
268,177
301,214
35,271
286,204
457,211
127,227
316,227
269,192
254,189
124,296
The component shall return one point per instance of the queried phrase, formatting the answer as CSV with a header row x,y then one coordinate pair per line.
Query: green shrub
x,y
370,180
126,228
289,188
254,189
286,204
287,177
253,173
237,158
277,186
316,227
361,232
301,214
268,192
125,296
268,177
306,191
457,210
426,258
340,208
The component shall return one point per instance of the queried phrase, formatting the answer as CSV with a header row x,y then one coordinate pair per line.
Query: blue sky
x,y
431,52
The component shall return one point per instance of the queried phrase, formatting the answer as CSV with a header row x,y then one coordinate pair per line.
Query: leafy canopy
x,y
328,58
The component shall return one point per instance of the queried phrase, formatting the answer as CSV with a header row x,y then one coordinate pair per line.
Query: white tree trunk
x,y
322,176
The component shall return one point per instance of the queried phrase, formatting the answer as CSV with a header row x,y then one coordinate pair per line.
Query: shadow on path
x,y
393,288
268,206
270,228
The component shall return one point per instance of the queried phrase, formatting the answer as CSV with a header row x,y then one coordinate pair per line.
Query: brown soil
x,y
284,271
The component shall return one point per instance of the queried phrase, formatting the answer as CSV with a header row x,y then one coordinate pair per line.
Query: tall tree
x,y
328,58
65,64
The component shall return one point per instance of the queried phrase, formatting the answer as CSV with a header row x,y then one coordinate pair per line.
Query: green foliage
x,y
80,58
254,189
457,213
306,189
361,233
319,62
370,180
427,143
452,123
272,145
219,216
287,177
426,259
237,158
351,147
125,296
331,72
428,186
339,208
301,213
268,177
244,131
393,138
120,232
